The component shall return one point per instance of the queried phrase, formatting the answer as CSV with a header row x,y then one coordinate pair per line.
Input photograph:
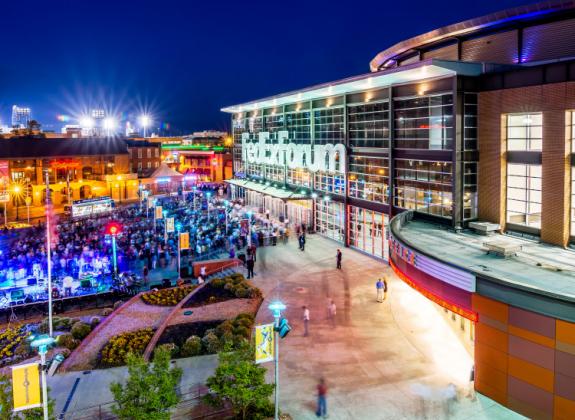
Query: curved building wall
x,y
524,359
538,32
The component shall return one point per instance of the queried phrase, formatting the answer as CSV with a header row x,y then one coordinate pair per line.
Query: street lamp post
x,y
313,210
42,343
48,211
165,213
208,194
114,229
277,307
226,202
178,230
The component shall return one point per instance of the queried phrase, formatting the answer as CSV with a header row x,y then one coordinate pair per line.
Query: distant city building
x,y
21,116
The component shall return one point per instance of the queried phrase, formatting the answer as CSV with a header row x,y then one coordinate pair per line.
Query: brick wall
x,y
553,100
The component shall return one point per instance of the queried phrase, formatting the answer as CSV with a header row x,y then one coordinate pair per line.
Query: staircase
x,y
223,273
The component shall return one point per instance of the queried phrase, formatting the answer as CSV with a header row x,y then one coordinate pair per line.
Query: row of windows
x,y
148,152
369,178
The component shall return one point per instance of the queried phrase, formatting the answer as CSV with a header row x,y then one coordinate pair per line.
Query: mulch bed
x,y
202,297
179,333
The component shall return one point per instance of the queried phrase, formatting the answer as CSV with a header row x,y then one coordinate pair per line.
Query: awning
x,y
270,190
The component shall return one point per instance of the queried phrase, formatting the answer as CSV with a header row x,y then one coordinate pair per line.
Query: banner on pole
x,y
184,241
26,386
159,212
170,224
264,343
150,202
4,196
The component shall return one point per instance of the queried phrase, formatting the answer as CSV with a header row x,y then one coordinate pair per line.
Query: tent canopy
x,y
164,171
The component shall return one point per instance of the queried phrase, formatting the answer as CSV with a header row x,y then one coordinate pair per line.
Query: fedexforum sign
x,y
324,157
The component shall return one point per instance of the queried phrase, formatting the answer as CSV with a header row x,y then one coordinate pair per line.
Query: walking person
x,y
250,265
331,313
338,259
305,320
384,288
379,287
302,242
321,399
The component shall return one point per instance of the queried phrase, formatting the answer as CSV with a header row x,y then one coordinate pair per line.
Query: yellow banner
x,y
159,214
264,343
184,240
26,386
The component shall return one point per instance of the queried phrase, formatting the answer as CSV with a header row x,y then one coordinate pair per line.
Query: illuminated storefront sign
x,y
329,158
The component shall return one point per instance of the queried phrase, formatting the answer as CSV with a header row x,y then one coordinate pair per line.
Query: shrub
x,y
242,331
246,315
237,276
167,297
238,280
225,327
229,286
94,322
68,341
243,322
23,350
211,343
241,292
118,347
117,304
80,330
107,311
226,339
170,348
254,292
192,346
65,352
218,283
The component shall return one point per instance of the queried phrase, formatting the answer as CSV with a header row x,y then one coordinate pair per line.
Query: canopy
x,y
164,171
284,194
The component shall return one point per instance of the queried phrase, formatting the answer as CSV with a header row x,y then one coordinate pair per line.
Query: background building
x,y
470,122
21,116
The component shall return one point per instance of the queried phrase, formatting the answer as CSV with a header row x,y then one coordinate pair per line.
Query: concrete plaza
x,y
377,359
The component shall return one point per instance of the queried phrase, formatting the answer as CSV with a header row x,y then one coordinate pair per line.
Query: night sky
x,y
182,61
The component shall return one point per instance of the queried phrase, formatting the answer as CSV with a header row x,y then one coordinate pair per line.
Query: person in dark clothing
x,y
250,264
338,259
302,241
321,399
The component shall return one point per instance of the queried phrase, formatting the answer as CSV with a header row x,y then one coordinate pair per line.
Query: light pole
x,y
42,343
194,197
208,194
226,202
48,210
165,213
17,191
178,229
114,229
314,197
145,121
277,307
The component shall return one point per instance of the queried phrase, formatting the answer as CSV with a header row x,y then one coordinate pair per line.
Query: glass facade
x,y
366,230
424,122
469,190
298,124
368,125
328,126
424,186
525,132
524,194
274,173
369,178
572,202
299,177
470,121
330,183
329,219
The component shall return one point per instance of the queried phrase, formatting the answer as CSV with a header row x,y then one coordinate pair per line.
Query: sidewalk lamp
x,y
249,215
282,329
114,229
178,230
314,198
17,190
42,343
208,194
165,213
226,204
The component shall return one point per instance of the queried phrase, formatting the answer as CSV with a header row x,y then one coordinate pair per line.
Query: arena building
x,y
464,131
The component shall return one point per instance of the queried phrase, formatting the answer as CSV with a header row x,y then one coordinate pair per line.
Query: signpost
x,y
264,343
26,386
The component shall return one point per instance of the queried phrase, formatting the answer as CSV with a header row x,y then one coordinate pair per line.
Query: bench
x,y
502,248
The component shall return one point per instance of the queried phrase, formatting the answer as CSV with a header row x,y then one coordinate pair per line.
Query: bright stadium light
x,y
86,122
145,122
109,125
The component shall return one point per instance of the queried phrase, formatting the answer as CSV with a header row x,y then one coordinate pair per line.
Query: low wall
x,y
213,266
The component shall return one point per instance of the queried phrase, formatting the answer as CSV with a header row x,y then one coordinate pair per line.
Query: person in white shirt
x,y
305,320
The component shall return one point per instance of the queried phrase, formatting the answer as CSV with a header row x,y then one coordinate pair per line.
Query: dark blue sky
x,y
184,60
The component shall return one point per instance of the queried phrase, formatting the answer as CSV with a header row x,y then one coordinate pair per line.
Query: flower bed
x,y
119,346
209,337
13,345
222,289
167,297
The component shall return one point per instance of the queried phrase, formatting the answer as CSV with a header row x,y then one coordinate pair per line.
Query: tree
x,y
239,381
150,391
6,404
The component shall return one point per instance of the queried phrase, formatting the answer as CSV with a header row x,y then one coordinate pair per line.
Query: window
x,y
238,162
424,122
299,177
470,121
328,126
253,169
157,164
157,152
367,231
329,217
424,186
368,125
149,165
369,178
298,124
469,190
524,194
274,173
139,153
572,202
272,123
139,166
239,126
149,153
331,183
525,132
